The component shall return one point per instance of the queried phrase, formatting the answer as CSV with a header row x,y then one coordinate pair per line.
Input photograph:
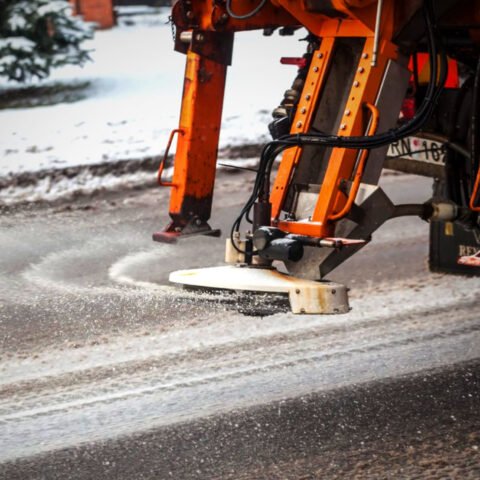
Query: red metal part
x,y
471,260
345,242
300,62
423,65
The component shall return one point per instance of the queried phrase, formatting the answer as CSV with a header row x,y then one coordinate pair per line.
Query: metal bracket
x,y
195,226
178,131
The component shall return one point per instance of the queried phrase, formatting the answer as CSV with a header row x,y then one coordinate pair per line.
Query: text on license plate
x,y
418,149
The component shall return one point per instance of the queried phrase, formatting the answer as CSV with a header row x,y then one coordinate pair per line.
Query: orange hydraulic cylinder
x,y
196,155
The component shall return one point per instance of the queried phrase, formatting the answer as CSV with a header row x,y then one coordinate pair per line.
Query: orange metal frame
x,y
332,203
196,154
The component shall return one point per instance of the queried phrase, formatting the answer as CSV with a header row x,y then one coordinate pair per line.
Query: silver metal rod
x,y
376,39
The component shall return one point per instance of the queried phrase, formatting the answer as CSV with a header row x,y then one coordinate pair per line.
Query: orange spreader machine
x,y
375,73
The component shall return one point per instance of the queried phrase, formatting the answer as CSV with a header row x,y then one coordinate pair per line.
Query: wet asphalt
x,y
421,426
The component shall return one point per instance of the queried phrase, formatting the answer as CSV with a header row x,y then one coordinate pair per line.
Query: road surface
x,y
108,372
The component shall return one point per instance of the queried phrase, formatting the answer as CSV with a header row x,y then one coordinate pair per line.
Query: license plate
x,y
418,149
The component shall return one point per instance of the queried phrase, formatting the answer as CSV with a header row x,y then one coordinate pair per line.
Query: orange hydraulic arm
x,y
198,133
198,140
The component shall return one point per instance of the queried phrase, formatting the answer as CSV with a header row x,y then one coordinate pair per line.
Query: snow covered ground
x,y
131,98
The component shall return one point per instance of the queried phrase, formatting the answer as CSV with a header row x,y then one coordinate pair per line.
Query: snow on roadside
x,y
49,189
133,100
61,185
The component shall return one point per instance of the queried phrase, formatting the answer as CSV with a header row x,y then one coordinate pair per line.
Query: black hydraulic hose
x,y
459,149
